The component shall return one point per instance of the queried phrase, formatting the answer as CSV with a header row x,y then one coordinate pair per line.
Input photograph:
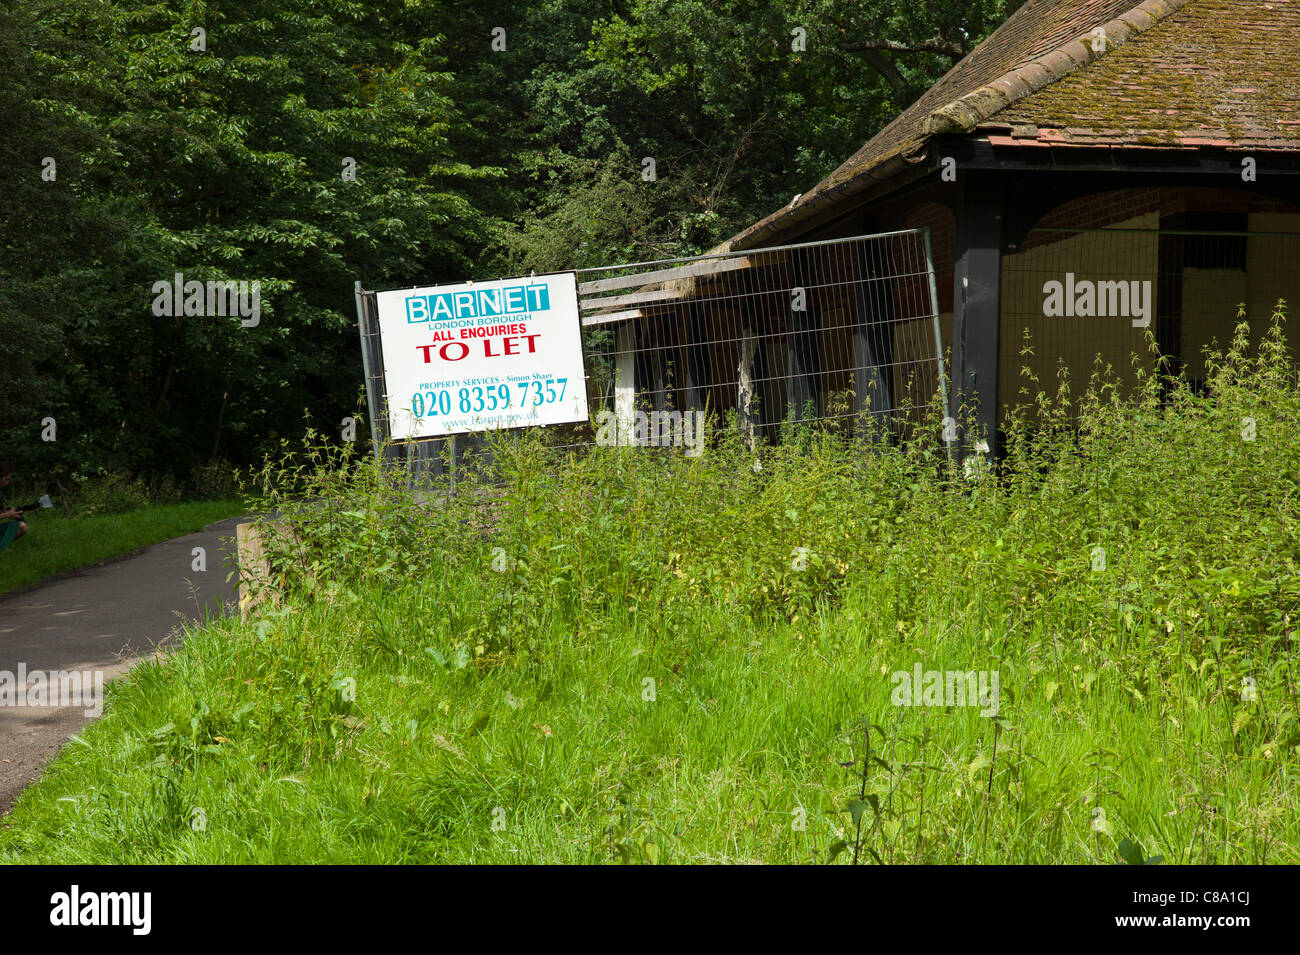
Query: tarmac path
x,y
105,618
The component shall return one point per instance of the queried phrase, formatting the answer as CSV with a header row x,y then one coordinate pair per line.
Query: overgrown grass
x,y
637,656
55,543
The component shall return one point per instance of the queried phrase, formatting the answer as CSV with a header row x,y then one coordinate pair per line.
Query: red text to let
x,y
492,348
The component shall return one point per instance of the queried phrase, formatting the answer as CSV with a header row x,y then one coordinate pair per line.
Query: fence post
x,y
747,392
873,334
368,369
625,376
803,359
938,334
696,370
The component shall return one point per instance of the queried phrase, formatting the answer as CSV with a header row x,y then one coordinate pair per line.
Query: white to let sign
x,y
487,355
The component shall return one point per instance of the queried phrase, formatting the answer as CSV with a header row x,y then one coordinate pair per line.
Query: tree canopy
x,y
304,145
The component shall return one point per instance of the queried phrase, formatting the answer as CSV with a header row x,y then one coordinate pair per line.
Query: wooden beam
x,y
635,298
694,270
747,389
625,378
977,288
605,318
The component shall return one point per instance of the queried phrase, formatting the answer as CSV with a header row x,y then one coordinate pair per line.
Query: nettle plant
x,y
1192,519
1172,510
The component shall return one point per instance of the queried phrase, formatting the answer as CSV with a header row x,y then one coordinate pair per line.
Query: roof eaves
x,y
805,206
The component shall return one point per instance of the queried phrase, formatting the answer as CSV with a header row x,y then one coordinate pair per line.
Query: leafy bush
x,y
109,493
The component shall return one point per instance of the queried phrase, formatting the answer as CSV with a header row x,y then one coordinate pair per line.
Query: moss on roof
x,y
1036,29
1173,73
1221,71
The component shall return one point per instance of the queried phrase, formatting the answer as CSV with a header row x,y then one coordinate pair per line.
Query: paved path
x,y
102,618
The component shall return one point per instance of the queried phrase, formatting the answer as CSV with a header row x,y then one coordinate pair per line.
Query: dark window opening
x,y
1215,251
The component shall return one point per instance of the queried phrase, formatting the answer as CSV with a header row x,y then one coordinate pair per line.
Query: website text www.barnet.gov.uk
x,y
1202,922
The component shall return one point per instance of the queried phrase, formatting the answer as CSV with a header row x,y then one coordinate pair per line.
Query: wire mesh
x,y
841,335
1185,286
825,333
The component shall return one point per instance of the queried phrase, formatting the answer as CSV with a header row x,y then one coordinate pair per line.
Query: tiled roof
x,y
1180,73
1213,73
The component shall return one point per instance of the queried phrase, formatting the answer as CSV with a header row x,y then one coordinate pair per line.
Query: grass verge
x,y
56,543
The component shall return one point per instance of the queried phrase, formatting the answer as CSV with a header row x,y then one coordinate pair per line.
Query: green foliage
x,y
221,163
600,212
612,655
110,494
225,163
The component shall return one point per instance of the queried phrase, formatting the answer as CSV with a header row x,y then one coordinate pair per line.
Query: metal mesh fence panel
x,y
841,335
1080,299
